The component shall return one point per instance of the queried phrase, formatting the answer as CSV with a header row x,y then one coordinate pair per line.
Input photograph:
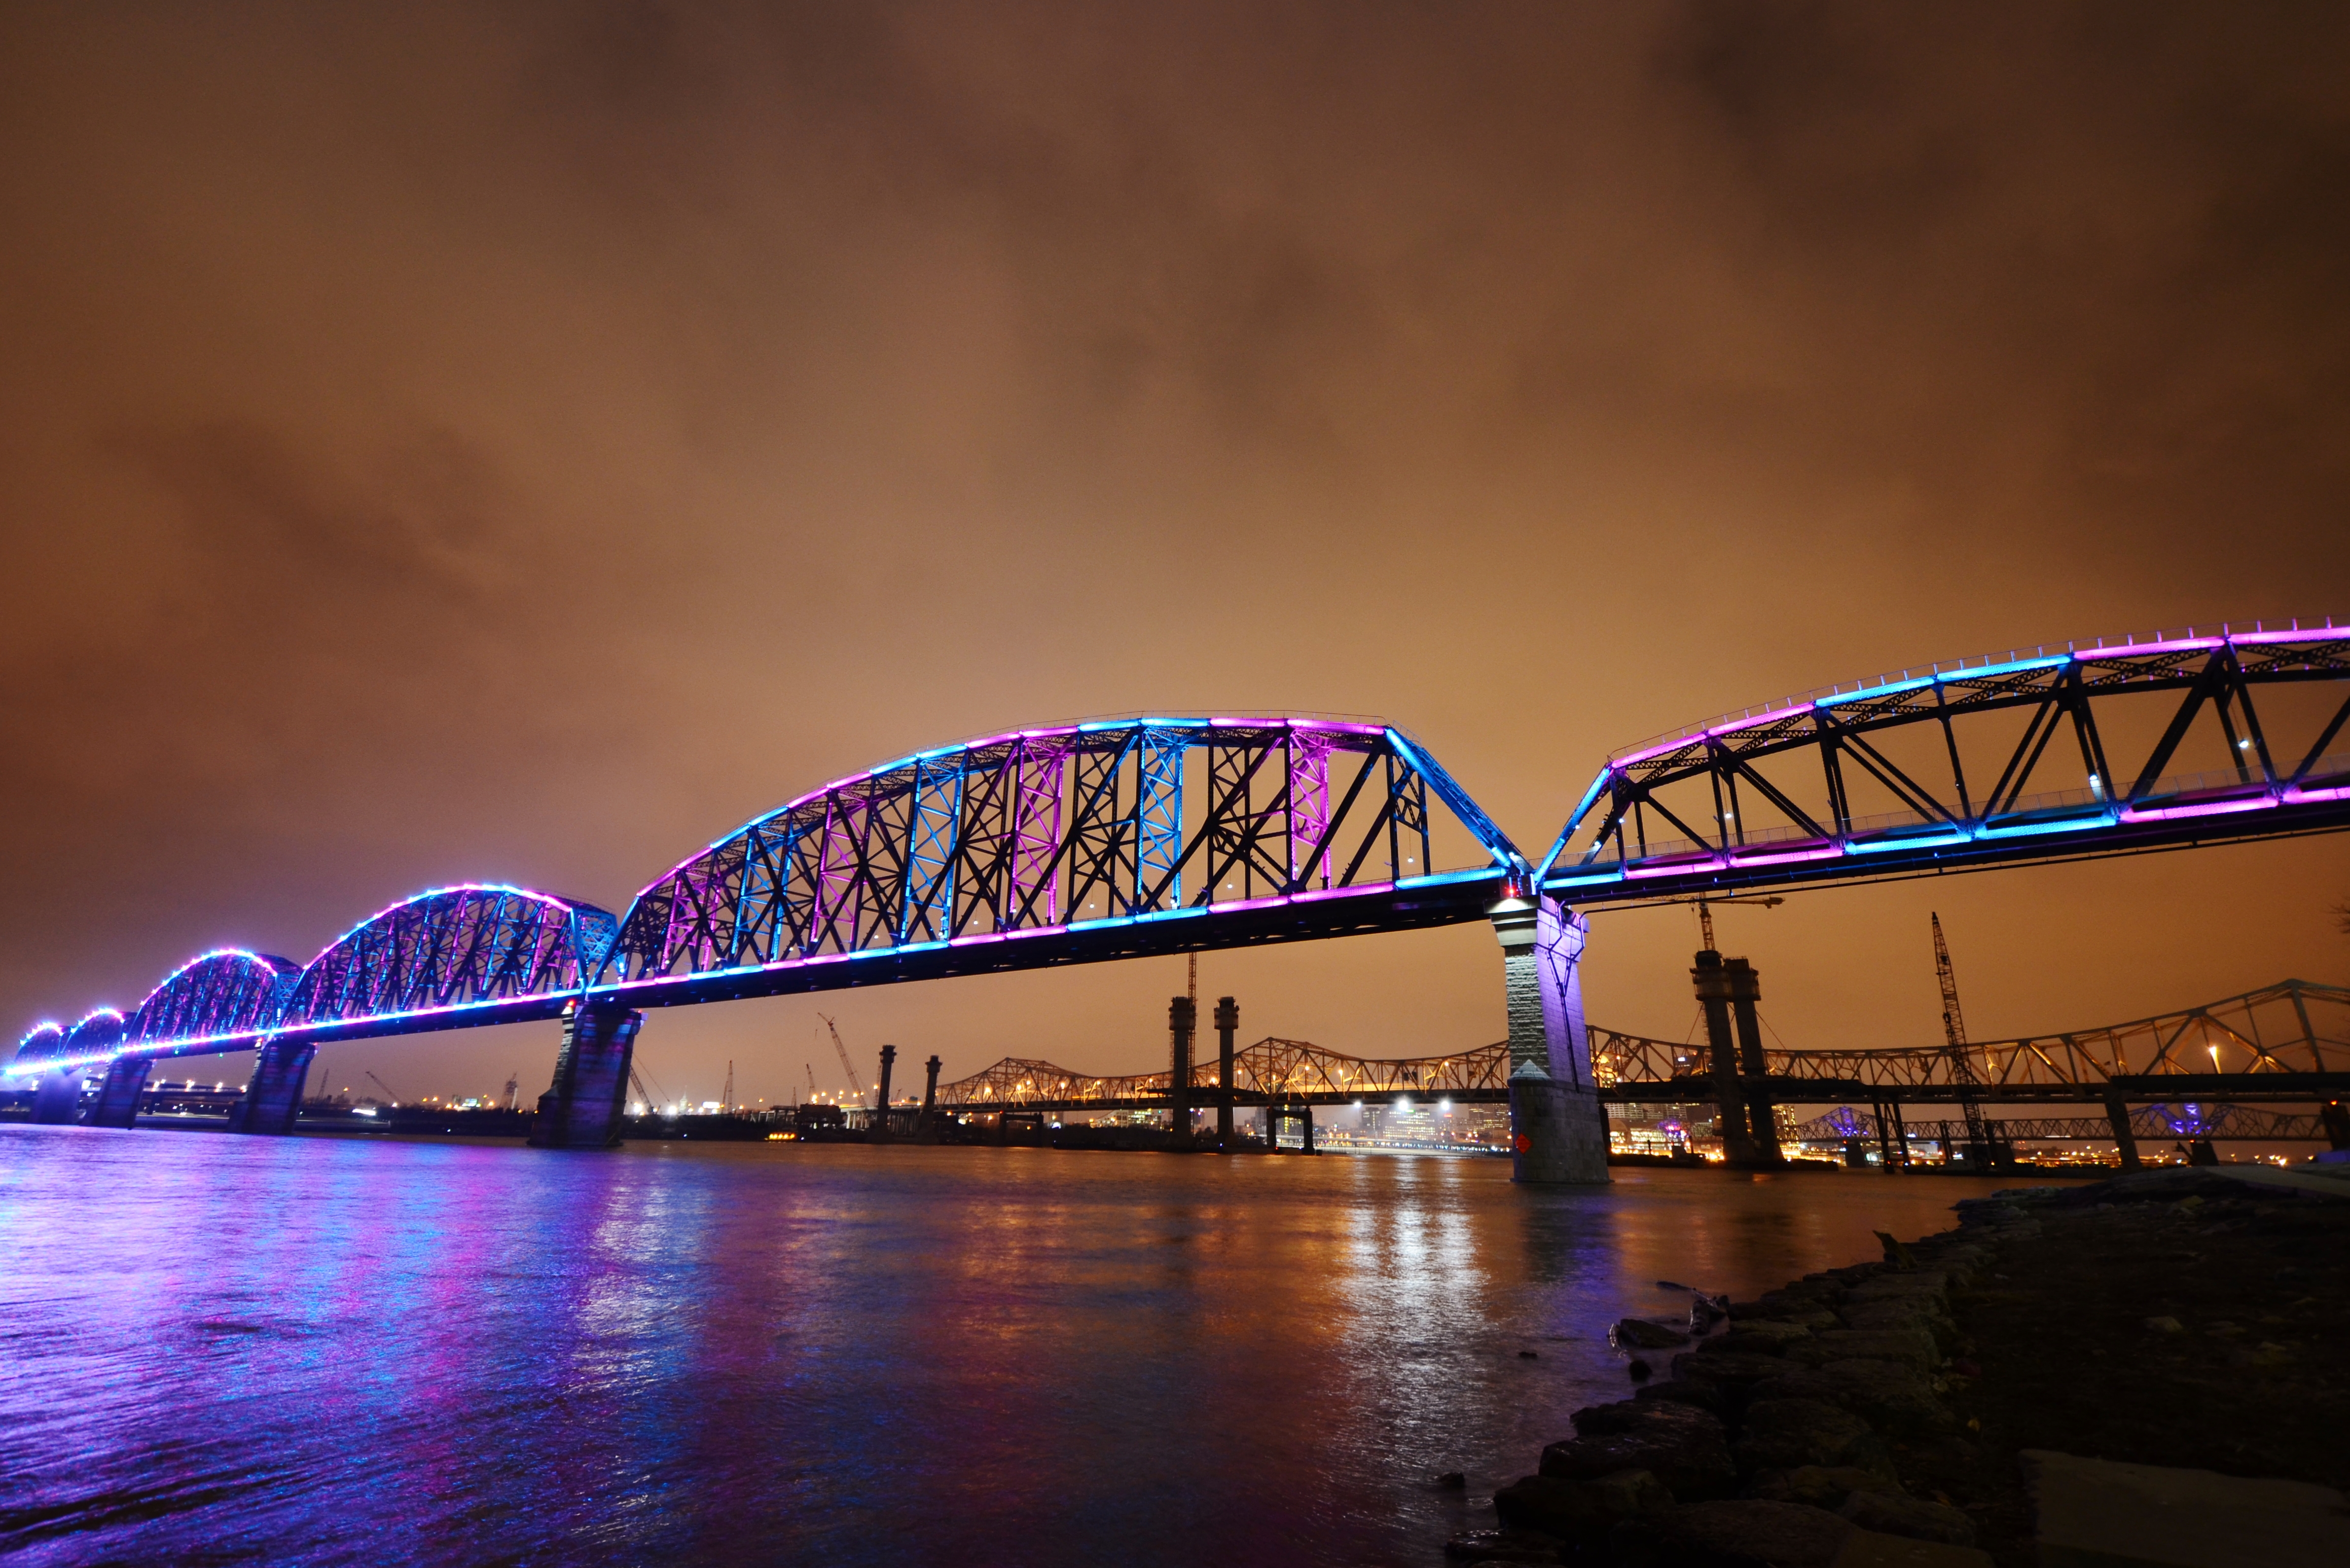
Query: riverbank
x,y
1908,1410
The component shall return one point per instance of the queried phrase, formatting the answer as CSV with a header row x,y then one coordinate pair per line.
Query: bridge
x,y
1157,834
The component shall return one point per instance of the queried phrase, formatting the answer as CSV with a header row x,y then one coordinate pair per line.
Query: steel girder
x,y
1078,841
1631,840
1272,1069
473,953
2150,1123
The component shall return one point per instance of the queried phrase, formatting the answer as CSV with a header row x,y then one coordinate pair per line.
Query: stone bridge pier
x,y
56,1099
1558,1126
274,1099
581,1109
118,1096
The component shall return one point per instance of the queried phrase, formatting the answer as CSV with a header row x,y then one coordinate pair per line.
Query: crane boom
x,y
1954,1036
858,1088
385,1087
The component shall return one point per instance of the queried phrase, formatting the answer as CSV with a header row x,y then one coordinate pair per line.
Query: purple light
x,y
1785,857
1771,717
1707,863
2207,808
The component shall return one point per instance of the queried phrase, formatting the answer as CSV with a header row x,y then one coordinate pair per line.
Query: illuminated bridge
x,y
1160,835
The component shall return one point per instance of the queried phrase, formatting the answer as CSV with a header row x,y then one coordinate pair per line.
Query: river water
x,y
323,1350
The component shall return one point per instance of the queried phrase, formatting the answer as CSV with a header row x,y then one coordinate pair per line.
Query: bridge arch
x,y
226,991
471,945
1776,793
44,1042
1177,827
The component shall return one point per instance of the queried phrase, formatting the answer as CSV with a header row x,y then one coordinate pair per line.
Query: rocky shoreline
x,y
1895,1411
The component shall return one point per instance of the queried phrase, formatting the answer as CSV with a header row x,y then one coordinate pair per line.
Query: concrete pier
x,y
274,1099
926,1127
58,1100
581,1109
2124,1139
1558,1128
117,1104
1762,1122
1228,1022
1182,1019
1714,989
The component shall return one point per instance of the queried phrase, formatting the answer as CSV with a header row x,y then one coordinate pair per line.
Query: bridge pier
x,y
274,1099
118,1097
2334,1114
1558,1128
1745,993
1183,1018
926,1126
581,1109
1228,1022
57,1102
1715,987
880,1133
2124,1139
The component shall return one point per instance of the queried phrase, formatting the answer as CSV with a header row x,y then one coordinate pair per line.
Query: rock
x,y
1640,1370
1743,1534
1784,1434
1581,1508
1912,1348
1899,1317
2166,1325
1452,1480
1886,1287
1912,1516
1633,1414
1704,1396
1504,1546
1636,1334
1884,1392
1821,1486
1687,1456
1761,1336
1733,1368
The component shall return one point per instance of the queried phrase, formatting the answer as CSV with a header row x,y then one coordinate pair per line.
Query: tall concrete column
x,y
2124,1139
581,1109
117,1104
1745,992
927,1128
1182,1018
2333,1115
1558,1128
1713,992
881,1096
274,1099
1228,1024
56,1101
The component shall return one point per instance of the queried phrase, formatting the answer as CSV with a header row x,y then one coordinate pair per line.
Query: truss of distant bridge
x,y
2153,1124
2284,1040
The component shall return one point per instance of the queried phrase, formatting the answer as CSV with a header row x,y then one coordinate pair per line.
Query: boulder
x,y
1821,1486
1704,1396
1580,1508
1742,1533
1784,1434
1923,1315
1628,1415
1689,1457
1907,1282
1912,1348
1734,1369
1883,1393
1761,1336
1914,1517
1635,1334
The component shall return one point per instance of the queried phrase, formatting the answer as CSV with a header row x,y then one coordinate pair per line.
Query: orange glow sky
x,y
520,443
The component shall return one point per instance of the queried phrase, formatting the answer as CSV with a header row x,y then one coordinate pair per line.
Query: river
x,y
330,1350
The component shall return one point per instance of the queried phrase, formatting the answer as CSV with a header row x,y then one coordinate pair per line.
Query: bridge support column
x,y
2334,1115
1228,1022
1900,1133
274,1099
926,1131
2124,1139
1558,1128
581,1109
1713,993
1745,993
881,1096
57,1102
1182,1018
117,1104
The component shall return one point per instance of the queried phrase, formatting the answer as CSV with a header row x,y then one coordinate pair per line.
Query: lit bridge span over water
x,y
1161,834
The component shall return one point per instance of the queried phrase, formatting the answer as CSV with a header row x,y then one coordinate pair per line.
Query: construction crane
x,y
379,1084
811,1073
726,1096
1954,1036
646,1096
514,1089
855,1085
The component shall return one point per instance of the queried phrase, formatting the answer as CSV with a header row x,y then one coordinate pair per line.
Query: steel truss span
x,y
1270,1070
1068,844
2283,1041
2148,1123
452,956
1963,755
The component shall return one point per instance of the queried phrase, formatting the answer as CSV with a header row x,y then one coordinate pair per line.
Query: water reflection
x,y
229,1350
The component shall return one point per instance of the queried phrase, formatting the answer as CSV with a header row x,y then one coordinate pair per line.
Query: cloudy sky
x,y
447,443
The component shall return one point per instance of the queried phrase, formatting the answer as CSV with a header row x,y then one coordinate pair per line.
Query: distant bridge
x,y
2152,1124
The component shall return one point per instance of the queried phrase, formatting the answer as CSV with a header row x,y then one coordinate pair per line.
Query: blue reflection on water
x,y
218,1349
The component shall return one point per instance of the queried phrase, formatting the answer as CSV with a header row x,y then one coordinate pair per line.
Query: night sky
x,y
521,443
